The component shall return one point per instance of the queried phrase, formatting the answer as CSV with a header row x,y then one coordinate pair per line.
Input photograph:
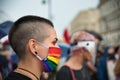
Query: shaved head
x,y
28,27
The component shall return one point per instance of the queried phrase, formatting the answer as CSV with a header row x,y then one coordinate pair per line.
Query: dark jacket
x,y
102,66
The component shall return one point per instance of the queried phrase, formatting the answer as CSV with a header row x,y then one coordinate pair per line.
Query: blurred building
x,y
110,21
86,20
102,2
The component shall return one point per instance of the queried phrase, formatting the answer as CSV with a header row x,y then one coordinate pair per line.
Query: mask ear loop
x,y
36,52
43,45
39,58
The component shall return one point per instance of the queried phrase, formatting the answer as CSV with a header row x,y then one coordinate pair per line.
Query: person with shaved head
x,y
33,39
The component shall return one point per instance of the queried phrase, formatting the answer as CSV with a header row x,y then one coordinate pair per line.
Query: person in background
x,y
5,60
111,62
102,72
117,70
92,67
74,68
34,41
117,52
117,66
98,40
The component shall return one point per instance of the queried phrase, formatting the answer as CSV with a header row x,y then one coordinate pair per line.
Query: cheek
x,y
43,53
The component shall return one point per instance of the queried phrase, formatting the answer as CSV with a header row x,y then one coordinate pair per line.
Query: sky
x,y
62,11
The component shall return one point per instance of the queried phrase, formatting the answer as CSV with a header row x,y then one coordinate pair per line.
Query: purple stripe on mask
x,y
46,69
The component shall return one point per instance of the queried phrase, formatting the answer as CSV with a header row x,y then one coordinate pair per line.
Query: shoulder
x,y
16,76
63,69
63,74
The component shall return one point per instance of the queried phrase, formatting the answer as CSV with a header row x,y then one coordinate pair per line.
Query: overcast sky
x,y
63,11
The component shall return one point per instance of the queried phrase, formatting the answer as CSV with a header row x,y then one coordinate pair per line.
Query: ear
x,y
33,46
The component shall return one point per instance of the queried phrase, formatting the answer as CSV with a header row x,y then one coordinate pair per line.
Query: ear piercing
x,y
35,52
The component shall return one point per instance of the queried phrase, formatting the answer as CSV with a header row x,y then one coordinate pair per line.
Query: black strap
x,y
72,73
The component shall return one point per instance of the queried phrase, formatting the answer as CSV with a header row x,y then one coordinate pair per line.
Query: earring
x,y
35,52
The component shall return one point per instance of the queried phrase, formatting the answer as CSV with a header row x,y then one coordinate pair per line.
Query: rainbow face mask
x,y
51,61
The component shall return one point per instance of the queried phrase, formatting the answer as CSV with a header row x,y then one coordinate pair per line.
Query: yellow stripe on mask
x,y
55,60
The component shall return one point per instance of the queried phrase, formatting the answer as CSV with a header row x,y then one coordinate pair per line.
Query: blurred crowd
x,y
105,63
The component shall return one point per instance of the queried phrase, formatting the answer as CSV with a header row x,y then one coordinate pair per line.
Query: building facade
x,y
110,21
86,20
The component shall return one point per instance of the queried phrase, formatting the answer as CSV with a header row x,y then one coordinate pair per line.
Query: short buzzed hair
x,y
25,28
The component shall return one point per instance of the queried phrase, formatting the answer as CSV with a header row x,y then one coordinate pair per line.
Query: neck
x,y
75,63
31,67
